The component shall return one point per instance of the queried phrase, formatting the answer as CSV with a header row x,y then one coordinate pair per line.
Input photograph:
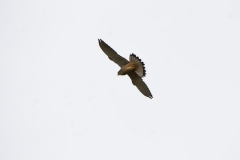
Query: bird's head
x,y
120,72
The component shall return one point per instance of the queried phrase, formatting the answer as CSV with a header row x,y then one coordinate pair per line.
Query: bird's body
x,y
134,68
130,67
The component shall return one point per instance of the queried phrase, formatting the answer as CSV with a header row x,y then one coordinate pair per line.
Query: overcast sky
x,y
61,98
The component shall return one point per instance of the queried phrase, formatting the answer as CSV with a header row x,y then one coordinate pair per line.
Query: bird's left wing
x,y
112,55
140,84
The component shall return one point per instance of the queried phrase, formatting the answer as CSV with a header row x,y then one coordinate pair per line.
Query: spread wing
x,y
140,84
112,55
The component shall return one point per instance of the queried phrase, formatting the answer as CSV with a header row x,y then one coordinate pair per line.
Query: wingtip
x,y
151,97
100,41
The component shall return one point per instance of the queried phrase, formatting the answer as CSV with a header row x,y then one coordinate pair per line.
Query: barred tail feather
x,y
140,66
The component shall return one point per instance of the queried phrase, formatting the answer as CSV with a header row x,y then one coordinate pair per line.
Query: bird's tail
x,y
140,66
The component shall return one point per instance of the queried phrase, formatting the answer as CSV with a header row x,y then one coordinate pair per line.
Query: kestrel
x,y
134,68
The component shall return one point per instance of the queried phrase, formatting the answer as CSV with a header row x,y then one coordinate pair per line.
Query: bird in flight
x,y
134,68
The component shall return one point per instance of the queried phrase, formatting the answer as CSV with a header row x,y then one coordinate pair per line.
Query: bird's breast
x,y
127,68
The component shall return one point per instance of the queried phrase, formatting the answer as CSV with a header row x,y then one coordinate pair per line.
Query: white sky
x,y
61,98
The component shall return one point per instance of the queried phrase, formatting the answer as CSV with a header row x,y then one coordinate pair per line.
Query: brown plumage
x,y
134,68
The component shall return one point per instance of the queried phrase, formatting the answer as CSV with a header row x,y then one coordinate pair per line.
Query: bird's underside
x,y
134,68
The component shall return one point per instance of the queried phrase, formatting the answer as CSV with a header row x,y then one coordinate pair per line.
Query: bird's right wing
x,y
140,84
112,55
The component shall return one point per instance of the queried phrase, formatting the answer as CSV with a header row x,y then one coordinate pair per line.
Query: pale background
x,y
61,98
